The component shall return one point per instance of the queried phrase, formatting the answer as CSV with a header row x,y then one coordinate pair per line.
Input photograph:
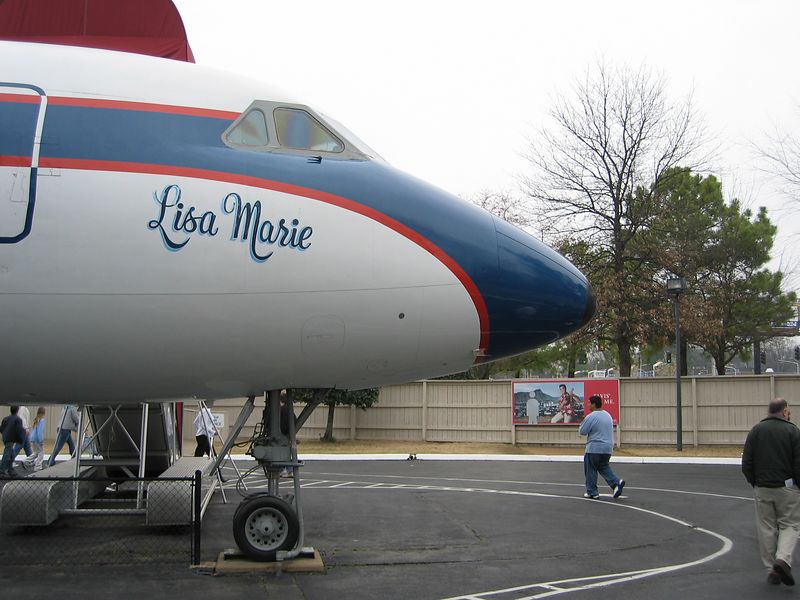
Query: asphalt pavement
x,y
477,528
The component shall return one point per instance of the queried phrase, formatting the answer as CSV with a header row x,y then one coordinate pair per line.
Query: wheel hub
x,y
266,528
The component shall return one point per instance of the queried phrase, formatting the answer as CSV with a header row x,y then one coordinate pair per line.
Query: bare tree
x,y
594,173
504,204
781,156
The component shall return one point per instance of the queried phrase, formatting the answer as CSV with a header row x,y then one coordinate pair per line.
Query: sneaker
x,y
618,488
784,571
591,496
773,578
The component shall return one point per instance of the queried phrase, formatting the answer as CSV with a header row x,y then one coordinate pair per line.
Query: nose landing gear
x,y
268,526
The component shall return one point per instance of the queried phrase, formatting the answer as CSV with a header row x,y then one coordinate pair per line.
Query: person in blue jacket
x,y
598,427
13,433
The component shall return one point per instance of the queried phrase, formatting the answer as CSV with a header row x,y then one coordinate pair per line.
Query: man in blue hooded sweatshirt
x,y
598,427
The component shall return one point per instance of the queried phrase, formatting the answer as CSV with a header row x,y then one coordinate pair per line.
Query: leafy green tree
x,y
680,241
741,298
721,250
692,209
362,399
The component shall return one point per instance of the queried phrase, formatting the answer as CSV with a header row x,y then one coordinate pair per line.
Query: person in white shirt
x,y
204,431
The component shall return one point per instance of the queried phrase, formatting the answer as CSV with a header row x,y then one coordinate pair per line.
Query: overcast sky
x,y
450,91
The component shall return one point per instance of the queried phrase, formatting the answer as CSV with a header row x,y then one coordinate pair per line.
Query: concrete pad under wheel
x,y
231,563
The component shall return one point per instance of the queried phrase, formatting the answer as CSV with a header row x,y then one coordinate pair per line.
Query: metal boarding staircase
x,y
113,452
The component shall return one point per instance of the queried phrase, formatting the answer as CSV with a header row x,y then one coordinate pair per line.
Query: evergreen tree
x,y
721,249
362,399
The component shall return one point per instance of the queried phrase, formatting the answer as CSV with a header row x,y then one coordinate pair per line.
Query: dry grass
x,y
409,447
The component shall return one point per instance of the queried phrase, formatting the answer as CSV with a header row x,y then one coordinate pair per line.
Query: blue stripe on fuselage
x,y
17,128
131,135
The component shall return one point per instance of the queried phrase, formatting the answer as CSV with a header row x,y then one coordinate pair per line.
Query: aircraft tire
x,y
263,525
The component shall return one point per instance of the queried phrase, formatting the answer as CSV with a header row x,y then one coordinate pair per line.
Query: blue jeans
x,y
7,463
594,464
26,445
64,437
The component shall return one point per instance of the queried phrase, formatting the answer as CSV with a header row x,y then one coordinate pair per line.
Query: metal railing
x,y
97,521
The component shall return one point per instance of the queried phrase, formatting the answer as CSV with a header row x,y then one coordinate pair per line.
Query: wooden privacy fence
x,y
715,410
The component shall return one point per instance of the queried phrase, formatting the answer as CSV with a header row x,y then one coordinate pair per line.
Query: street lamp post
x,y
675,287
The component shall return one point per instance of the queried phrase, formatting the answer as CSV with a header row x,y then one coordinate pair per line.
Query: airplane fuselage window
x,y
298,130
251,130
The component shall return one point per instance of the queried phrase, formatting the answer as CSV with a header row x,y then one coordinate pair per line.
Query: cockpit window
x,y
299,130
293,129
250,131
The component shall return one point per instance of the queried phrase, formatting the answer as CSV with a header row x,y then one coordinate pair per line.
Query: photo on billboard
x,y
561,401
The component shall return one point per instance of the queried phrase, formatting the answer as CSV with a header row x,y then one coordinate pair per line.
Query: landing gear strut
x,y
268,526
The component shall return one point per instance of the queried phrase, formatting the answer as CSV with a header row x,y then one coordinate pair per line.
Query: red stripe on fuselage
x,y
143,106
192,111
21,98
441,255
15,161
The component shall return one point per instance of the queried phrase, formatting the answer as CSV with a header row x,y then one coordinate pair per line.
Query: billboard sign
x,y
561,401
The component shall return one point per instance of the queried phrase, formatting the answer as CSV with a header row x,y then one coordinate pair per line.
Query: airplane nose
x,y
538,296
591,306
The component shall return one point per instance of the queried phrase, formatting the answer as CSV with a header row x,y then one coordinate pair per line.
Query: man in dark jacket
x,y
771,464
13,433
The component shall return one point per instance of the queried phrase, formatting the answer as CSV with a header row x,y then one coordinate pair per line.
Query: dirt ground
x,y
410,447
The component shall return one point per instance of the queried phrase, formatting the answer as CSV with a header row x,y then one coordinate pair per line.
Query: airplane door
x,y
22,109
